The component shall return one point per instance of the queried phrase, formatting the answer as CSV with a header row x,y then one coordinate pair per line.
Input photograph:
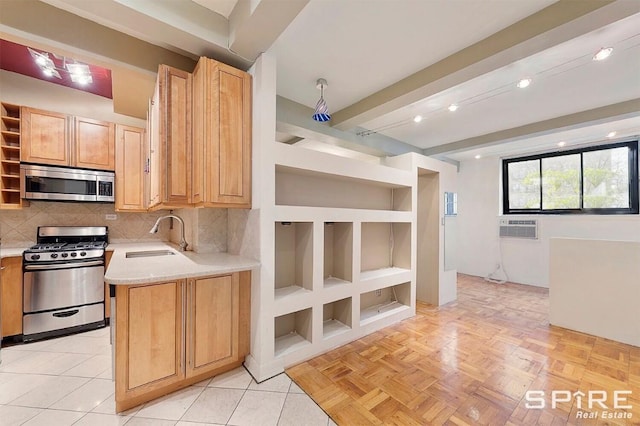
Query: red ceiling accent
x,y
16,58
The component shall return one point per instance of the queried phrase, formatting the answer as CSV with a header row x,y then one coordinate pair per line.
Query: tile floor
x,y
67,381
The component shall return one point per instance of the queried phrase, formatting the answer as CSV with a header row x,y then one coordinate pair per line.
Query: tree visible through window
x,y
599,180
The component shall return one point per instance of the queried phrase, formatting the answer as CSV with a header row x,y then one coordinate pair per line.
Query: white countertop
x,y
141,270
12,251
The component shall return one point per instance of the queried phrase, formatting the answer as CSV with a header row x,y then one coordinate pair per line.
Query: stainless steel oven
x,y
63,281
62,184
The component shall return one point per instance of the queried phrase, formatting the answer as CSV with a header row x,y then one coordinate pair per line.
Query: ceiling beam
x,y
295,119
619,111
552,25
255,24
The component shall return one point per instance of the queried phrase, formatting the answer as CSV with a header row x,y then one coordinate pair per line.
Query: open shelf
x,y
386,249
292,331
296,187
293,258
10,156
336,317
338,253
384,302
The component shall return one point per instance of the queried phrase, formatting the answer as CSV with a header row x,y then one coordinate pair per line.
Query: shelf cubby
x,y
384,302
385,249
336,317
293,258
338,253
292,331
295,187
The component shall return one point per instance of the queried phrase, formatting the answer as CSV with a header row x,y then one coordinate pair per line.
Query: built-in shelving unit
x,y
10,156
342,232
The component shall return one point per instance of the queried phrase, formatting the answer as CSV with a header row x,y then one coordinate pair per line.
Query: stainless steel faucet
x,y
183,242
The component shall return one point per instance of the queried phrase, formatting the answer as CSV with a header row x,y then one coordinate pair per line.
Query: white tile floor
x,y
67,381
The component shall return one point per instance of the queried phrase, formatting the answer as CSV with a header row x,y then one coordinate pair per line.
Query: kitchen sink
x,y
149,253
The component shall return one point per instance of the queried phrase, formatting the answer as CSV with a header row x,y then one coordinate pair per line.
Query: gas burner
x,y
47,246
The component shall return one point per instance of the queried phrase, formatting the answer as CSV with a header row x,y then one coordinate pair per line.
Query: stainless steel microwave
x,y
39,182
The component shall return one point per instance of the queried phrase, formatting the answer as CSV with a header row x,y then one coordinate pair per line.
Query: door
x,y
149,338
154,173
229,154
11,296
130,176
212,323
44,137
175,135
94,144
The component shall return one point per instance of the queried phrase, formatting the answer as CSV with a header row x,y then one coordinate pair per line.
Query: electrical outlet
x,y
110,217
378,292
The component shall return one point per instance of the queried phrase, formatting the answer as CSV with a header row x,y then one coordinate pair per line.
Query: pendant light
x,y
321,113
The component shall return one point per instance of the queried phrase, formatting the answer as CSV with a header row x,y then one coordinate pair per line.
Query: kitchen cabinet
x,y
170,140
221,135
50,138
45,137
130,166
94,144
11,297
173,334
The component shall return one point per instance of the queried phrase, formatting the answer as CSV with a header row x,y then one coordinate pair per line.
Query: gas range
x,y
47,252
67,243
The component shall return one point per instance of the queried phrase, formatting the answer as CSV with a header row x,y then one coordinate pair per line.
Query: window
x,y
595,180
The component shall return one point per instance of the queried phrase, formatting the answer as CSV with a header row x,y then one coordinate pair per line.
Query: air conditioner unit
x,y
518,228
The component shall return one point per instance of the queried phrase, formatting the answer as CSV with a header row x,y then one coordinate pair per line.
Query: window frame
x,y
634,184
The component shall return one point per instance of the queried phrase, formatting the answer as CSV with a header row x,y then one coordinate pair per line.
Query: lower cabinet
x,y
170,335
11,296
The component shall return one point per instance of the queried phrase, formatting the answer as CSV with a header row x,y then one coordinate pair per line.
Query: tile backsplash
x,y
18,228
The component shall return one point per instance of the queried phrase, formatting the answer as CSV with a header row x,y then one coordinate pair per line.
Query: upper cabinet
x,y
45,137
170,140
62,140
130,166
221,136
94,144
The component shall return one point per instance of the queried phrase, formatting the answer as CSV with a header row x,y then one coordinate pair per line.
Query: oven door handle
x,y
63,265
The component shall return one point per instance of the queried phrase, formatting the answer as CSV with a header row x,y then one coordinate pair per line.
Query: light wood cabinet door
x,y
130,176
94,144
154,172
222,136
149,339
212,324
107,298
45,137
11,297
175,137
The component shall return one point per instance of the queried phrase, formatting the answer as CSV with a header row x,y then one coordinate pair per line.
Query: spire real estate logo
x,y
594,404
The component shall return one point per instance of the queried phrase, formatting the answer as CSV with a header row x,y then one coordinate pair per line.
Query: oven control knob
x,y
83,253
64,254
54,255
74,254
35,257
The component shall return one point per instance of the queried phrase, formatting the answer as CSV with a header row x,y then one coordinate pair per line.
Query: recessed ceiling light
x,y
561,144
477,157
611,134
525,82
452,107
603,54
417,118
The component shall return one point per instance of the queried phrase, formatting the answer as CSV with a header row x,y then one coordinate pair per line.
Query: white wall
x,y
526,262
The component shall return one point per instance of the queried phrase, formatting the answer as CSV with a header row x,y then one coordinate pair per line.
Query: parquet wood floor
x,y
471,363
